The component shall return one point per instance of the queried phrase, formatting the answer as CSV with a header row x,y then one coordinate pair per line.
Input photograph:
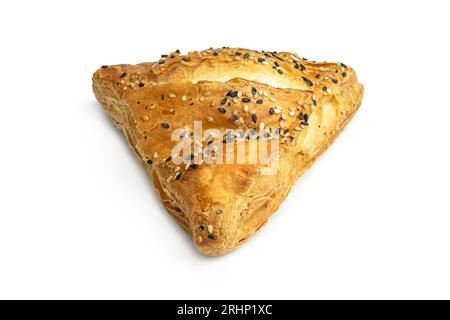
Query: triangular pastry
x,y
279,102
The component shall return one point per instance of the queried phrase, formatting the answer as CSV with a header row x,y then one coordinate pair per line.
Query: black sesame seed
x,y
169,158
150,162
286,131
276,64
261,59
272,111
325,89
165,125
280,71
246,56
260,101
164,56
304,123
123,75
306,117
317,76
104,67
232,94
178,176
224,100
193,166
246,99
308,82
177,51
267,55
201,227
334,81
302,68
222,110
254,91
215,53
186,59
296,66
254,118
212,236
345,67
172,56
344,74
238,53
233,117
161,62
301,116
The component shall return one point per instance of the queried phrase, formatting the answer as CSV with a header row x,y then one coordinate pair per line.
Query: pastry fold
x,y
296,107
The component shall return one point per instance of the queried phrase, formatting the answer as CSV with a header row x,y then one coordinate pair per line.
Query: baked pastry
x,y
280,97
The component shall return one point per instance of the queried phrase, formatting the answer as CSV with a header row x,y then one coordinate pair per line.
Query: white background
x,y
79,217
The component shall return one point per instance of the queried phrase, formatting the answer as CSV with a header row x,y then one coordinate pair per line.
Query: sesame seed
x,y
245,99
212,236
177,51
271,111
193,166
254,118
304,123
165,125
224,100
344,74
222,110
254,91
183,98
276,64
178,176
201,227
232,94
261,59
219,211
150,162
171,95
317,76
308,82
260,101
104,67
141,84
334,81
123,75
169,158
246,56
161,62
145,118
280,71
233,117
215,53
210,119
210,228
292,113
325,89
245,108
199,239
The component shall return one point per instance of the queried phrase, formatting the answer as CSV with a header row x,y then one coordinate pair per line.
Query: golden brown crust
x,y
222,205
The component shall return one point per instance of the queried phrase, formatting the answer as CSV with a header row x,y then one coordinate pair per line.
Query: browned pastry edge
x,y
178,93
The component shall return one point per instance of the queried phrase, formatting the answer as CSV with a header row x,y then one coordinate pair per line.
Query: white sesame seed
x,y
272,99
145,118
172,95
261,125
183,98
298,129
210,228
210,119
245,108
155,155
292,113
